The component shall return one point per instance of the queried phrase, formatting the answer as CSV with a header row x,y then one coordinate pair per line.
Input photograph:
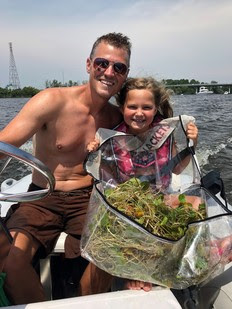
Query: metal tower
x,y
14,82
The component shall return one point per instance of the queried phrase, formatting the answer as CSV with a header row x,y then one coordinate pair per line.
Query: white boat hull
x,y
158,298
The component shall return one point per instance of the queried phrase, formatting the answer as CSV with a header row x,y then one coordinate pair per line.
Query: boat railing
x,y
23,156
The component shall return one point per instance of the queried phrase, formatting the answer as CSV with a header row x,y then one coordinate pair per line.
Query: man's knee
x,y
21,252
16,261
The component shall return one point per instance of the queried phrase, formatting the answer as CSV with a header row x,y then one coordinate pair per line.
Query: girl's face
x,y
139,110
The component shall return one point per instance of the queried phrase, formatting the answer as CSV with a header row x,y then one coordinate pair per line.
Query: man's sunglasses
x,y
101,64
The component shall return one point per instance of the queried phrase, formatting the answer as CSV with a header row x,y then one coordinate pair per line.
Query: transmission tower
x,y
14,82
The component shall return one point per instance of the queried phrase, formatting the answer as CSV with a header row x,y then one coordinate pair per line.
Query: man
x,y
63,121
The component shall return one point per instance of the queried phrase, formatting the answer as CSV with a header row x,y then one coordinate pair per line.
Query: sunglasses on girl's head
x,y
101,64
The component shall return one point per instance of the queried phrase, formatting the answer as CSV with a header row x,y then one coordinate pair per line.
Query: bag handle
x,y
172,163
211,181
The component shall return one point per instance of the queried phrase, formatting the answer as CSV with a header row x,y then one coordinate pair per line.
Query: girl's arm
x,y
93,146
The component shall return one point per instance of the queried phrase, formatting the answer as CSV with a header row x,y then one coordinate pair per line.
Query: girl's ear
x,y
88,65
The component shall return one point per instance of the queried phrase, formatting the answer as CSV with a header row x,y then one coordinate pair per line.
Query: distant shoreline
x,y
179,87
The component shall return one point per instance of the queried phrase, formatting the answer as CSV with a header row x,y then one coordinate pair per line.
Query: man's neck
x,y
95,102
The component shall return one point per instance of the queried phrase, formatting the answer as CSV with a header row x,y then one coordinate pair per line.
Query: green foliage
x,y
136,200
191,90
29,91
56,83
181,89
51,84
26,92
4,93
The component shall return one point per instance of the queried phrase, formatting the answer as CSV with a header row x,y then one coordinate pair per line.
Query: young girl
x,y
144,102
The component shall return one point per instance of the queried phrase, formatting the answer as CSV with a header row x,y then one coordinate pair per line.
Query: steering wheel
x,y
23,156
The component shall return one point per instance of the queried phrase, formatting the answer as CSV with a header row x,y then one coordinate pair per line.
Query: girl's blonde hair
x,y
160,93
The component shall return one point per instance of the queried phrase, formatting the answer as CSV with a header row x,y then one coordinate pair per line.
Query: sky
x,y
174,39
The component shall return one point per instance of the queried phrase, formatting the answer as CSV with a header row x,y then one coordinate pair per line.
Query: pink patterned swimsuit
x,y
149,159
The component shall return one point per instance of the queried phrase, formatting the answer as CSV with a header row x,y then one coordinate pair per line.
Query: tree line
x,y
28,92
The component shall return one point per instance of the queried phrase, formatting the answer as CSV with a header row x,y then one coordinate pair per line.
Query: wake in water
x,y
204,154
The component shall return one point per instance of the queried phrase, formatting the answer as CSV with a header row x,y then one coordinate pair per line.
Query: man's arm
x,y
32,117
35,113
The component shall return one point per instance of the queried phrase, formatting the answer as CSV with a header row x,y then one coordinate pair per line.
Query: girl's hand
x,y
192,132
92,146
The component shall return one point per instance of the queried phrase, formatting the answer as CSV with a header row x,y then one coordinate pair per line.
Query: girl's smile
x,y
139,110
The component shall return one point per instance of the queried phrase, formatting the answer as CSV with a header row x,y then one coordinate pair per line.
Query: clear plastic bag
x,y
127,248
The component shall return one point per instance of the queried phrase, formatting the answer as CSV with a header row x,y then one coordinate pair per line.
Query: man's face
x,y
108,69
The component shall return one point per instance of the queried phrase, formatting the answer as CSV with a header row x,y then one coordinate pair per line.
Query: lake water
x,y
213,115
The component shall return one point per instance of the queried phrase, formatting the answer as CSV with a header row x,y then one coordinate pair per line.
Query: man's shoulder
x,y
50,93
59,94
46,101
56,92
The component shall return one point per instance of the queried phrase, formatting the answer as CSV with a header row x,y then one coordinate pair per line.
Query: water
x,y
213,115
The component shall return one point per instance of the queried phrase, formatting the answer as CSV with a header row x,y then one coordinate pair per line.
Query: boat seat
x,y
45,266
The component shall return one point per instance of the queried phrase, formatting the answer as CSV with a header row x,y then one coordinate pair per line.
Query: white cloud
x,y
171,39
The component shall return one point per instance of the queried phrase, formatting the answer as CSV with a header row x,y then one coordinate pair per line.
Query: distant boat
x,y
204,90
226,92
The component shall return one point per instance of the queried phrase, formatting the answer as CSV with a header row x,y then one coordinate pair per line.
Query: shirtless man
x,y
63,121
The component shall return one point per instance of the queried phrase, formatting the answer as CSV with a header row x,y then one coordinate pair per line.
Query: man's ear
x,y
88,65
121,109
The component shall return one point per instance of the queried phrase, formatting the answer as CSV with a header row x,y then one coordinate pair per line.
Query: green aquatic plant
x,y
137,235
136,200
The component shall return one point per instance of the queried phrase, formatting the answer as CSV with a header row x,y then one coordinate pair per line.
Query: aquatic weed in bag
x,y
148,223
